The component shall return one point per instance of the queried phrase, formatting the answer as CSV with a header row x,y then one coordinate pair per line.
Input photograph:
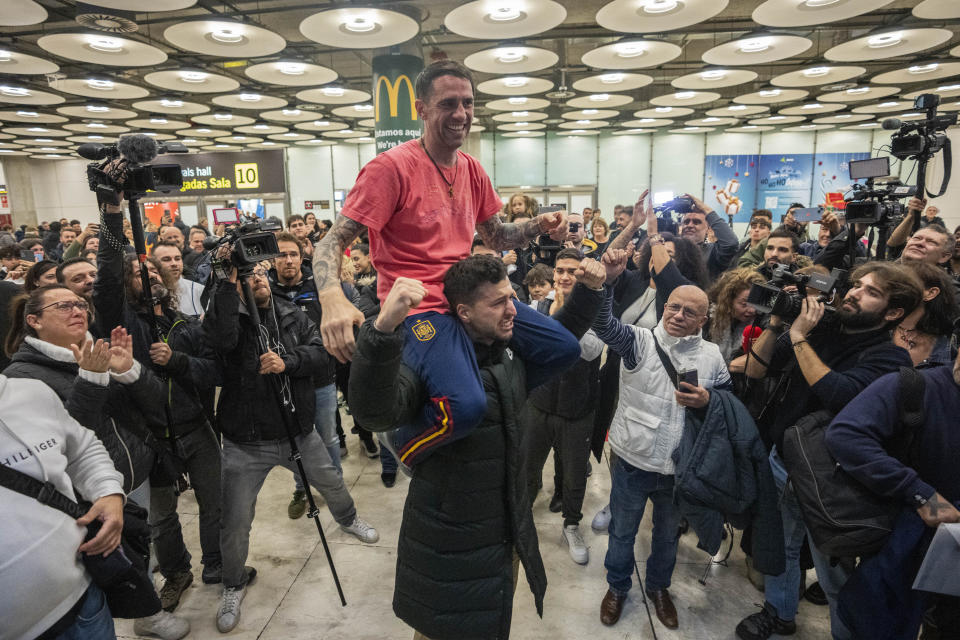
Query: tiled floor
x,y
294,596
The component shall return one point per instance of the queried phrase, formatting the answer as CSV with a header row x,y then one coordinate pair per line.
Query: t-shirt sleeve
x,y
375,195
488,200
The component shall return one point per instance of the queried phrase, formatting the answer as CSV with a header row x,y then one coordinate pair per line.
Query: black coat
x,y
115,412
233,337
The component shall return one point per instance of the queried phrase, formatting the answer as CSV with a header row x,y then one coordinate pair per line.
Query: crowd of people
x,y
466,355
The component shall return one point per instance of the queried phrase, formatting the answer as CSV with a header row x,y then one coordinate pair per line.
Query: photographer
x,y
249,415
181,358
822,363
693,227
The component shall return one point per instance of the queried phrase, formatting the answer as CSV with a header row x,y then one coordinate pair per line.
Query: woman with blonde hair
x,y
600,231
730,314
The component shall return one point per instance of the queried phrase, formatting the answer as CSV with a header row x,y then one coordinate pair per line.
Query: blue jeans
x,y
388,464
325,422
783,591
631,487
94,621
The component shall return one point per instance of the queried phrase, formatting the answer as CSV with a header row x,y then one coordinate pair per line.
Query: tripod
x,y
283,396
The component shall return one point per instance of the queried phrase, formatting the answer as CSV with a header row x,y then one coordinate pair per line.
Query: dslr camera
x,y
770,299
132,175
250,243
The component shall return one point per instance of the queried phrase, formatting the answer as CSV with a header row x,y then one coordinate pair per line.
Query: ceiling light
x,y
172,104
149,133
515,82
261,126
28,114
238,137
769,93
684,95
777,118
95,137
250,97
290,112
923,68
509,56
321,123
14,91
158,121
227,35
691,128
43,140
816,72
105,44
363,107
6,150
47,149
814,4
193,76
579,131
38,130
646,120
611,78
360,24
949,87
223,116
629,49
749,126
185,140
659,6
737,107
713,74
523,124
663,109
292,68
504,13
97,108
884,40
599,97
204,130
812,105
100,85
756,45
290,134
867,124
5,56
807,126
890,104
333,92
96,125
314,141
711,119
858,90
590,112
843,116
221,146
518,100
520,114
582,122
269,143
347,131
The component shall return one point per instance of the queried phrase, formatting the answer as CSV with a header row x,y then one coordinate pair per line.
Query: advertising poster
x,y
831,175
730,185
784,179
395,116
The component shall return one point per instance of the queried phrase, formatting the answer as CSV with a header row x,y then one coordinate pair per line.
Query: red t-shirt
x,y
416,229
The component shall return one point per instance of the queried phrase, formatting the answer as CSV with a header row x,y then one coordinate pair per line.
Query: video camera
x,y
770,298
122,168
679,205
251,242
876,205
920,140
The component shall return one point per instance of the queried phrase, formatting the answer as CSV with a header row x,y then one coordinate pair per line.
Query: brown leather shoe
x,y
611,607
666,612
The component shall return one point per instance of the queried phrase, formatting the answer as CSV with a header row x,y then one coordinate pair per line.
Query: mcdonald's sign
x,y
395,119
393,96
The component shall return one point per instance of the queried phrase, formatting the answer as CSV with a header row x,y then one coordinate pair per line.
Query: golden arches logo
x,y
393,95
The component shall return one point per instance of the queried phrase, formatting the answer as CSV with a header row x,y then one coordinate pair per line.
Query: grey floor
x,y
294,596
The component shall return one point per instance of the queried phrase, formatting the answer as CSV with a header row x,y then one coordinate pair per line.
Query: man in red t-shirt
x,y
421,202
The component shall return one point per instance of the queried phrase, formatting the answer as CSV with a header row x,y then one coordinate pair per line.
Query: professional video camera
x,y
251,242
770,298
122,168
920,140
679,205
877,205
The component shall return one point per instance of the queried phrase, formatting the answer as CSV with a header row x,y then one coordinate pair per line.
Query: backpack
x,y
843,517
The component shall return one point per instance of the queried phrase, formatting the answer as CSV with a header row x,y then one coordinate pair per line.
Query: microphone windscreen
x,y
137,148
891,124
92,151
750,334
210,242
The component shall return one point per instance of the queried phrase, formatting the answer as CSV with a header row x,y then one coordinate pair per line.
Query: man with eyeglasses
x,y
693,227
645,431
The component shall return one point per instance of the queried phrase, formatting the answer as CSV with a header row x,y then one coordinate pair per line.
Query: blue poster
x,y
783,180
730,185
831,174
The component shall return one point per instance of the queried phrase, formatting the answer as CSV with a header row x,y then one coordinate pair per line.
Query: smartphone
x,y
574,227
808,214
690,377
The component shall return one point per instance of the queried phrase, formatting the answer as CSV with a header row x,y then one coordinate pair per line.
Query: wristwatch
x,y
918,500
656,239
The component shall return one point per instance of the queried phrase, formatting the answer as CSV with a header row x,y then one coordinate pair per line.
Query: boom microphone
x,y
891,124
137,148
93,151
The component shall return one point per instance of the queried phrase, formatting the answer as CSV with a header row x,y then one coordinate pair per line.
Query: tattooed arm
x,y
339,315
501,236
938,510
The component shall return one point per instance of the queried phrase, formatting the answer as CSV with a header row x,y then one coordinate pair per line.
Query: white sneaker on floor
x,y
363,531
578,548
228,615
163,625
601,521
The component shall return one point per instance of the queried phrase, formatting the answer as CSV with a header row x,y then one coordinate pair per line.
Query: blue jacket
x,y
723,472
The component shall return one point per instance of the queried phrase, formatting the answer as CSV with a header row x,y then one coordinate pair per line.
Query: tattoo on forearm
x,y
327,254
501,236
935,505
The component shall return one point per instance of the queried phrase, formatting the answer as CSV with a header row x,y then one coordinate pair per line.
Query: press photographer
x,y
821,362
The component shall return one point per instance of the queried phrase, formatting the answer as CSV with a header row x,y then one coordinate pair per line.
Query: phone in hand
x,y
690,377
808,214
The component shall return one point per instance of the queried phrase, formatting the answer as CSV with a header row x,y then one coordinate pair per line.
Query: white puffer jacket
x,y
648,423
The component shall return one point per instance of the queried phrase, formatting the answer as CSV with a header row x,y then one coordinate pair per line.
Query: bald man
x,y
646,429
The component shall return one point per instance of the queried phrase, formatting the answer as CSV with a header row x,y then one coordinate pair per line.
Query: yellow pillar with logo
x,y
395,116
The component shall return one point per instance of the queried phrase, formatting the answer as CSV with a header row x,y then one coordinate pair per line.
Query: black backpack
x,y
843,517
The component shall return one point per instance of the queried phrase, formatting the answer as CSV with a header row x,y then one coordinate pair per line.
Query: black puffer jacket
x,y
467,510
115,412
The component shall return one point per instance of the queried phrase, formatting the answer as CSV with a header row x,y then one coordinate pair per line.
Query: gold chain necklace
x,y
456,169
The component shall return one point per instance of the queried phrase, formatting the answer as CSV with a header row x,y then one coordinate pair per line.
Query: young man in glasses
x,y
646,429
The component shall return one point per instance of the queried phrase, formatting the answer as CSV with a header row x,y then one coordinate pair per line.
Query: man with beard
x,y
694,225
822,363
188,292
181,358
78,275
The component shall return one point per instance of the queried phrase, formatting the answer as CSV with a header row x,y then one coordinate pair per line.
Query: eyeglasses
x,y
66,306
688,313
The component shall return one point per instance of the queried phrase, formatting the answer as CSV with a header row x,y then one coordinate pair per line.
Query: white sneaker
x,y
601,521
363,531
229,613
163,625
578,548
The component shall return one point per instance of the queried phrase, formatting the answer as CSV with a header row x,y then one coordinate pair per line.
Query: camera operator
x,y
183,360
249,415
694,225
822,363
783,247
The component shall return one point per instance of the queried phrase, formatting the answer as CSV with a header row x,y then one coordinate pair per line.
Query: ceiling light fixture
x,y
227,35
646,120
659,6
749,126
884,40
867,124
890,104
583,122
261,126
504,12
923,68
509,56
590,112
769,93
28,114
858,90
5,56
520,114
579,131
713,74
807,126
105,44
333,92
737,107
756,45
691,128
268,143
611,78
14,91
204,130
815,72
158,121
171,104
515,82
777,118
100,85
290,112
949,87
663,109
816,4
629,49
97,108
292,68
711,119
518,100
843,116
599,97
96,125
290,134
95,137
194,77
363,107
812,105
360,24
321,123
684,95
522,124
223,116
38,130
250,97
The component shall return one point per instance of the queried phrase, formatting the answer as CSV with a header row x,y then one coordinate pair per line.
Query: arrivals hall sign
x,y
229,172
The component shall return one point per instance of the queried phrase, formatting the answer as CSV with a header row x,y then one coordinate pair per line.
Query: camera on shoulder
x,y
770,298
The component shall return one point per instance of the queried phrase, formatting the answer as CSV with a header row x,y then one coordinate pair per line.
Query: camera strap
x,y
665,360
43,492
